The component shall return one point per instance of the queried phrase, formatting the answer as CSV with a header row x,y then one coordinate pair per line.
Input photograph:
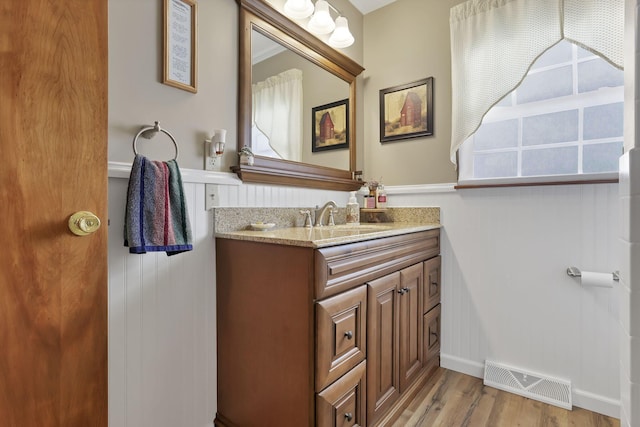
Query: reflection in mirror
x,y
296,54
285,88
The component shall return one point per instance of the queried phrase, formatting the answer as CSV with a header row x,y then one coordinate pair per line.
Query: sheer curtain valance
x,y
277,112
494,42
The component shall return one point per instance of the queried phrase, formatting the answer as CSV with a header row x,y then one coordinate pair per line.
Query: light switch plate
x,y
210,199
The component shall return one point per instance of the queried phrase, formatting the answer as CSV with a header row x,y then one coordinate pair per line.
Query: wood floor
x,y
452,399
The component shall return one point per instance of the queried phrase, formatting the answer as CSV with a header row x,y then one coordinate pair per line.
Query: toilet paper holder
x,y
575,272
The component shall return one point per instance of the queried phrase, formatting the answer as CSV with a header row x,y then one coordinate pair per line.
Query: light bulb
x,y
341,37
321,22
298,9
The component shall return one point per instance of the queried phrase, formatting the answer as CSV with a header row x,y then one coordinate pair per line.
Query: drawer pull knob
x,y
348,416
434,284
348,334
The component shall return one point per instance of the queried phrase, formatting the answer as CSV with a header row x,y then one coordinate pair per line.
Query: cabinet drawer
x,y
341,336
432,332
342,267
431,283
342,404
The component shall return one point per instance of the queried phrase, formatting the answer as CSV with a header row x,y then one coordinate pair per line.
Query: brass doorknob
x,y
83,223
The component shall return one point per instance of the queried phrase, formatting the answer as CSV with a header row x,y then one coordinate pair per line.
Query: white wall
x,y
162,358
629,226
506,294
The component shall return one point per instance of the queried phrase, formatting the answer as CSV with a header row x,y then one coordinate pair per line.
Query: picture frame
x,y
330,126
406,111
180,65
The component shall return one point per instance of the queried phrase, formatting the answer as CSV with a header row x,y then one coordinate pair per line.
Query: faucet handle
x,y
331,221
307,219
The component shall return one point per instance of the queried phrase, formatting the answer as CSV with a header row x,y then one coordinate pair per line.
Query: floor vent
x,y
528,384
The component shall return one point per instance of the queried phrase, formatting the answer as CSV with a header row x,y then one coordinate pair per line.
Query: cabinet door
x,y
432,332
431,283
383,383
410,324
342,403
341,341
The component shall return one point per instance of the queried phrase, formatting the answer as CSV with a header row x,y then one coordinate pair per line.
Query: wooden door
x,y
53,284
410,325
383,383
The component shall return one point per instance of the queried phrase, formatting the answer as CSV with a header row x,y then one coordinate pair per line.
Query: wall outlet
x,y
209,163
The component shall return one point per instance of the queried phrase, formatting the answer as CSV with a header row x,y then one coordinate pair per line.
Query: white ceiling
x,y
366,6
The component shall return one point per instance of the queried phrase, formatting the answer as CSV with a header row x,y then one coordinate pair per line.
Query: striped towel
x,y
156,218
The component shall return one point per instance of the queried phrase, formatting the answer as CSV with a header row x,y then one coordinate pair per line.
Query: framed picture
x,y
180,44
330,126
406,111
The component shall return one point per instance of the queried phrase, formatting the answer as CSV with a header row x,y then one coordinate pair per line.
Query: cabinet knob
x,y
435,284
401,291
348,334
348,416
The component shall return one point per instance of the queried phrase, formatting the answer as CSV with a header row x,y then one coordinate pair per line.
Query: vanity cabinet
x,y
329,336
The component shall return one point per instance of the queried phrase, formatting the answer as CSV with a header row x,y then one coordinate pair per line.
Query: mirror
x,y
277,73
285,153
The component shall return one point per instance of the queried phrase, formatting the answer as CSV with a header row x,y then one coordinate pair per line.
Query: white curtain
x,y
494,42
277,112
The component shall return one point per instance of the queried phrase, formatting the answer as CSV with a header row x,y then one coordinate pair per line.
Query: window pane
x,y
604,121
550,161
597,73
502,134
554,55
550,128
584,53
546,85
601,157
495,165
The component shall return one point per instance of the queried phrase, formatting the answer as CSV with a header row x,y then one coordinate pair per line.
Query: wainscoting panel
x,y
162,354
506,295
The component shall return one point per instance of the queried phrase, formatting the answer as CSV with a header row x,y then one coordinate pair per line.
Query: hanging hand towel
x,y
156,218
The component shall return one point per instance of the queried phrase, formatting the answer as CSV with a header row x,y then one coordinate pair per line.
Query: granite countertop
x,y
318,237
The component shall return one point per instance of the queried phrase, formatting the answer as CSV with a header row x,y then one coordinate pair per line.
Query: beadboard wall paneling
x,y
506,295
162,330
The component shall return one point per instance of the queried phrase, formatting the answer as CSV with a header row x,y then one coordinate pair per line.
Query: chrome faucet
x,y
320,212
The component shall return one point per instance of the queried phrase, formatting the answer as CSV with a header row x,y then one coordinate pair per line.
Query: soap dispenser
x,y
353,210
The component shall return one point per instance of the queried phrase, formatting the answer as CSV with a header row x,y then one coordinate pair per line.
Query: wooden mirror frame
x,y
262,17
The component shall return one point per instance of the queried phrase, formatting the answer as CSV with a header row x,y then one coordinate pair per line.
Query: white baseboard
x,y
596,403
465,366
581,398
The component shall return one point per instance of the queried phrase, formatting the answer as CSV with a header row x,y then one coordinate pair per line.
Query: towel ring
x,y
151,131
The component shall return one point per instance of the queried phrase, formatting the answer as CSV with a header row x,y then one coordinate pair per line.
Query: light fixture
x,y
298,9
341,36
321,22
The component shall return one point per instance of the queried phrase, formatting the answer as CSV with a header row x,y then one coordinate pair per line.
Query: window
x,y
563,122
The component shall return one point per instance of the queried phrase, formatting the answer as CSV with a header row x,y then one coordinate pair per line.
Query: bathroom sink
x,y
363,228
348,230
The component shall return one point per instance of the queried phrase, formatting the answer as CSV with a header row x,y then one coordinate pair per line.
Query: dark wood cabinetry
x,y
337,336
